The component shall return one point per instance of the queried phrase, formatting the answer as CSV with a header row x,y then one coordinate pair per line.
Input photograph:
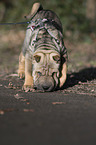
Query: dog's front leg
x,y
28,84
21,70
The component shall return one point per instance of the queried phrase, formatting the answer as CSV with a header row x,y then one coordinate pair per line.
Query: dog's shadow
x,y
84,75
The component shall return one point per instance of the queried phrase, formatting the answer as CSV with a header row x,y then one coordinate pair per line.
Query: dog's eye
x,y
56,58
37,58
39,73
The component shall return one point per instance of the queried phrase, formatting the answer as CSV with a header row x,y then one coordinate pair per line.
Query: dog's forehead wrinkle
x,y
44,51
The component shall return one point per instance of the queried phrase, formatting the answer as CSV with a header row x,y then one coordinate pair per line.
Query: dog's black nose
x,y
45,88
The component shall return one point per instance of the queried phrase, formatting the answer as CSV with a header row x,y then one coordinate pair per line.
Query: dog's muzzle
x,y
45,83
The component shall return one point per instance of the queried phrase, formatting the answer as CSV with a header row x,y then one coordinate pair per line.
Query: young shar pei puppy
x,y
43,58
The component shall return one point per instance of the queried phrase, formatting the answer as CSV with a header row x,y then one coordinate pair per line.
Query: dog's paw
x,y
28,88
21,75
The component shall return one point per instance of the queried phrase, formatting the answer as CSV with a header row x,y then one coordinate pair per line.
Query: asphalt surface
x,y
52,118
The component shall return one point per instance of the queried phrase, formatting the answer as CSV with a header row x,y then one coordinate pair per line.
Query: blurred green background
x,y
78,18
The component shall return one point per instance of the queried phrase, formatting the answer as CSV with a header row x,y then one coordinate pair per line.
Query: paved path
x,y
51,118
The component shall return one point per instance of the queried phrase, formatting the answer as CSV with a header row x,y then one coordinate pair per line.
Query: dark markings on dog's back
x,y
43,58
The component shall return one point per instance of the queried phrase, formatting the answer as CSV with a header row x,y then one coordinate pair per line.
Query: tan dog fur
x,y
25,64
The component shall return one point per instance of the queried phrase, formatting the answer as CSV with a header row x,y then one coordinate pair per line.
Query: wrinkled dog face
x,y
46,70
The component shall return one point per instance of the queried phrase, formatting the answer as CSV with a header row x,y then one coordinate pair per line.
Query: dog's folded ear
x,y
35,9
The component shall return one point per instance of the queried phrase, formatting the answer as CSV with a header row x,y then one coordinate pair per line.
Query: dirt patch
x,y
81,62
10,46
